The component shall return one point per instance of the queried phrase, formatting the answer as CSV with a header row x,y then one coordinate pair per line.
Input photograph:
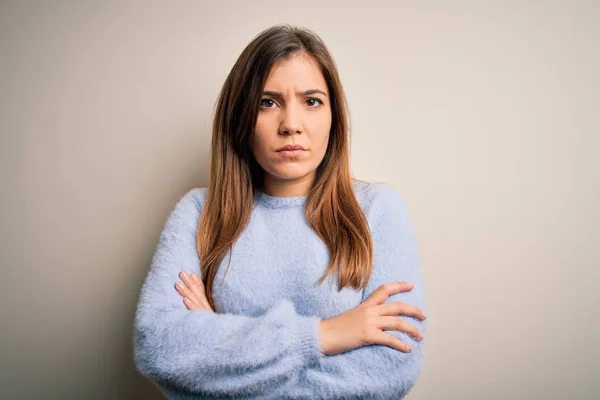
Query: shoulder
x,y
379,199
388,218
188,208
193,199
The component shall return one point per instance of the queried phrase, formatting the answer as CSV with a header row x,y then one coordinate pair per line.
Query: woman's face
x,y
294,111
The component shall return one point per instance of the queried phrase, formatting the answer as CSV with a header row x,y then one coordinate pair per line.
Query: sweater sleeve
x,y
208,354
378,371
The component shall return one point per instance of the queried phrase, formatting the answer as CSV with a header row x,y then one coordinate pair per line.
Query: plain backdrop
x,y
482,114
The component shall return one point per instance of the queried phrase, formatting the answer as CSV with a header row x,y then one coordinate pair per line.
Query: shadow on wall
x,y
132,385
135,386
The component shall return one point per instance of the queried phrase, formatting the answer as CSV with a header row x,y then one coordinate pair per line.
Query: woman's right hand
x,y
364,324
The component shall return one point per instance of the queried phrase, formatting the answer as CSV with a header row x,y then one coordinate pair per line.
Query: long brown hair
x,y
331,206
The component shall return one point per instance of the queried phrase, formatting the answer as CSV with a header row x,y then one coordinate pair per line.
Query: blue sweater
x,y
262,341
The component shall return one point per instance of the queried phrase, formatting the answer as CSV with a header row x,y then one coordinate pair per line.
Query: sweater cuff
x,y
307,339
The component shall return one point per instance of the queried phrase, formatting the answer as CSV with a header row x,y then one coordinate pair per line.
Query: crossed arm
x,y
278,354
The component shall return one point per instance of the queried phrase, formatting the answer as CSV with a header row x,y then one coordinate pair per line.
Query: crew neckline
x,y
280,202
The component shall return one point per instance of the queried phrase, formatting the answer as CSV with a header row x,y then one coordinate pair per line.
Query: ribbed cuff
x,y
307,339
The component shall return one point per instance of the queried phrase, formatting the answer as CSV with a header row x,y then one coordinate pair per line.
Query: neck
x,y
278,187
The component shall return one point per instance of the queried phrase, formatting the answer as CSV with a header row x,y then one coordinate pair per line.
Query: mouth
x,y
291,147
291,150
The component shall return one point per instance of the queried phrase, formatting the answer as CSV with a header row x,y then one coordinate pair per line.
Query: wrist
x,y
324,335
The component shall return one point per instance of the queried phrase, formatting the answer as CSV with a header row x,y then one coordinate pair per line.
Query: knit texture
x,y
262,342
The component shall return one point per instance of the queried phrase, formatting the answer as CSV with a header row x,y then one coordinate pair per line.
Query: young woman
x,y
302,283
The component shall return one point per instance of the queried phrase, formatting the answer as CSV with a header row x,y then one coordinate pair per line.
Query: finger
x,y
197,289
381,294
186,292
182,290
189,304
193,290
191,284
197,279
186,279
396,308
192,304
398,324
389,340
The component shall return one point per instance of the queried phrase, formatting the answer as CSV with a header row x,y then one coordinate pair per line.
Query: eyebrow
x,y
299,94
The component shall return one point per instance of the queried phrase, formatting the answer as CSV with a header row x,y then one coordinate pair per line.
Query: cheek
x,y
259,147
321,136
260,134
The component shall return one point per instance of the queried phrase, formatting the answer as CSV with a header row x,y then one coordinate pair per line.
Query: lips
x,y
291,147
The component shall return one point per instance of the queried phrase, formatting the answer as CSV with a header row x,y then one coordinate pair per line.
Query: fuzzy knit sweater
x,y
262,342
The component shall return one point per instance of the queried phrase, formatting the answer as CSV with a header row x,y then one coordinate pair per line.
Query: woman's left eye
x,y
315,100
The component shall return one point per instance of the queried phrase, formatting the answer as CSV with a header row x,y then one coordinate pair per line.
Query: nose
x,y
291,123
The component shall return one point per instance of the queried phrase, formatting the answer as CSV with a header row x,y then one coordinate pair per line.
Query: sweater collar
x,y
280,202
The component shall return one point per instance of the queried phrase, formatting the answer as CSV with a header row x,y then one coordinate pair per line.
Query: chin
x,y
289,173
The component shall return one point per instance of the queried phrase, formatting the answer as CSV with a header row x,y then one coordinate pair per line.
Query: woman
x,y
298,273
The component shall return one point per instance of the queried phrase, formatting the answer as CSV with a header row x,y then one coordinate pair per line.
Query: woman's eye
x,y
267,103
314,102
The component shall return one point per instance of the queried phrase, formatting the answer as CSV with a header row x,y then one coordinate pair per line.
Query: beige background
x,y
483,114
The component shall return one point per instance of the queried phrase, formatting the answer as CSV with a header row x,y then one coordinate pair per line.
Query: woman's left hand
x,y
193,293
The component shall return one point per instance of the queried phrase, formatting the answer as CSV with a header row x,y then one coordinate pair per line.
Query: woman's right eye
x,y
267,103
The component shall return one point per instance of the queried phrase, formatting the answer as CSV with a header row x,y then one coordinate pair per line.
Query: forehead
x,y
300,71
